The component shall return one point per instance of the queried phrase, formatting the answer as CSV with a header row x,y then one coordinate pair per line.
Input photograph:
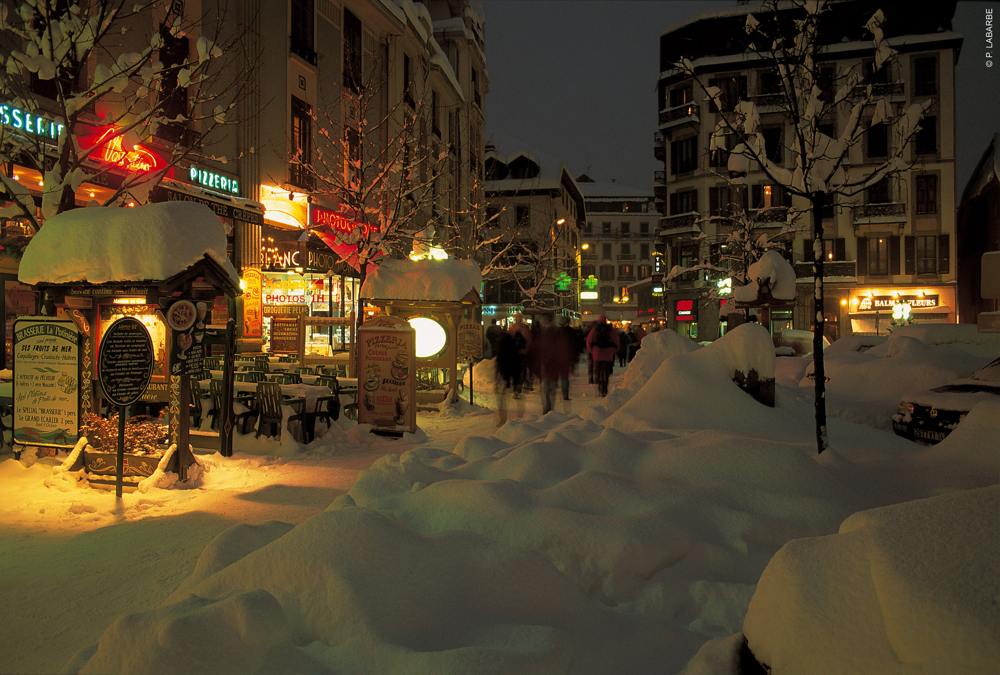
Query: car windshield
x,y
969,388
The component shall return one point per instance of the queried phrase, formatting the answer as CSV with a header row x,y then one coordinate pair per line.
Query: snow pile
x,y
100,244
909,588
773,271
961,336
449,279
968,456
483,376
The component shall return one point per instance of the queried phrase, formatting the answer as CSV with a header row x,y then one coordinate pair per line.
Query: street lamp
x,y
584,246
561,221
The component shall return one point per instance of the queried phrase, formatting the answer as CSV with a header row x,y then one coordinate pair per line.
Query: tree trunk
x,y
818,199
359,316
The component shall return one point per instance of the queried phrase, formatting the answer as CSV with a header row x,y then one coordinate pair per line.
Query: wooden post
x,y
226,421
120,462
184,457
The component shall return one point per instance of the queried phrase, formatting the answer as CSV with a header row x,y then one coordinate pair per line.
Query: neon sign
x,y
30,123
684,310
213,181
336,221
870,303
110,149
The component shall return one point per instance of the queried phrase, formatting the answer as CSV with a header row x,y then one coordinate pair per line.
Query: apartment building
x,y
535,213
894,243
301,74
979,233
619,255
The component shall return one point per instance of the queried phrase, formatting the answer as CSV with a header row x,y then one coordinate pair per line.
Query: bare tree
x,y
785,42
112,70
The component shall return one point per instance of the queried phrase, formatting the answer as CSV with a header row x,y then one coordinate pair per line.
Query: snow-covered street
x,y
624,536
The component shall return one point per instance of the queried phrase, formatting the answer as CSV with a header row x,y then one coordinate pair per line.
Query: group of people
x,y
547,352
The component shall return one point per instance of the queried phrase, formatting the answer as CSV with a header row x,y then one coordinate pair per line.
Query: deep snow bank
x,y
909,588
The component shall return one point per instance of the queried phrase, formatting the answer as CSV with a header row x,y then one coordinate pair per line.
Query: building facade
x,y
294,82
619,254
978,232
531,257
893,243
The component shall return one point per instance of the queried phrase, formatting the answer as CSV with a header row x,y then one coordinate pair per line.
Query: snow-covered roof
x,y
99,244
595,189
438,280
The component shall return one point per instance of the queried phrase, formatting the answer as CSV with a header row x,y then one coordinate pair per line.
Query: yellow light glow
x,y
843,302
585,246
432,253
561,221
431,336
134,300
855,301
279,209
41,183
243,284
921,293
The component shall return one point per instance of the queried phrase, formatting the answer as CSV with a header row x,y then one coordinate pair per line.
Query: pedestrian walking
x,y
522,343
623,346
493,332
508,372
602,345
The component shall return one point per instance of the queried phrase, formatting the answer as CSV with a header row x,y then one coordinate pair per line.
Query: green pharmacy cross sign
x,y
590,283
564,282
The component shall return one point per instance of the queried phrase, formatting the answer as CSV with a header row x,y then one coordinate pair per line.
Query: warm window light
x,y
92,194
431,336
829,256
843,302
432,253
131,204
584,246
561,221
41,183
16,177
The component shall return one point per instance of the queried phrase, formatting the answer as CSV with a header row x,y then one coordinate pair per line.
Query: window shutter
x,y
757,196
943,254
862,255
807,250
911,255
839,252
893,255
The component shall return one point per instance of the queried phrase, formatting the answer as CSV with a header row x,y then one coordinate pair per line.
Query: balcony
x,y
776,100
659,146
660,190
626,256
680,223
890,212
878,89
686,113
831,269
659,178
776,215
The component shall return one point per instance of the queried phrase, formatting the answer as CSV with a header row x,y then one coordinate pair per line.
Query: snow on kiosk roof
x,y
448,280
100,244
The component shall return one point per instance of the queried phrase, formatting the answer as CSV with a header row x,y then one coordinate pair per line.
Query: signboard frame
x,y
57,326
104,371
385,343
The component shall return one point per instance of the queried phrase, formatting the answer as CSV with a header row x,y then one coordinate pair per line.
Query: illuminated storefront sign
x,y
564,282
874,303
30,123
253,312
588,295
213,181
109,148
590,283
684,310
724,286
336,221
431,336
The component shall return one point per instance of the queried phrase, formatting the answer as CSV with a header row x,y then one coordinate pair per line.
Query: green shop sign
x,y
29,123
564,282
590,283
213,181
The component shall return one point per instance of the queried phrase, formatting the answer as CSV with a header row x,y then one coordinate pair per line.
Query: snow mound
x,y
99,244
968,456
909,588
484,376
449,279
773,271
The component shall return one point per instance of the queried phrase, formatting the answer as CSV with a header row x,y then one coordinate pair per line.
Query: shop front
x,y
877,310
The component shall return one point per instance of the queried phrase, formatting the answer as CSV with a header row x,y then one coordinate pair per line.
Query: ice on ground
x,y
908,588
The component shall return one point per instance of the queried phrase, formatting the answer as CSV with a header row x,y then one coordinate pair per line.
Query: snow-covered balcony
x,y
770,102
773,216
685,113
833,270
888,212
891,89
679,223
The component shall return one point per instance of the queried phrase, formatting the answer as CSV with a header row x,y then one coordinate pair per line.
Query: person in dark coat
x,y
602,345
623,346
508,371
492,336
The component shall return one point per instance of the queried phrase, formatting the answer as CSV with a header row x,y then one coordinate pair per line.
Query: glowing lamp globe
x,y
431,336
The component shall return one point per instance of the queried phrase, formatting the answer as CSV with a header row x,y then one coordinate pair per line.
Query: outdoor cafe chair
x,y
215,412
304,370
290,378
269,403
331,402
194,405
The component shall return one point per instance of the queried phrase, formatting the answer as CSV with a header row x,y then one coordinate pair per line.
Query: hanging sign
x,y
125,363
470,340
387,383
187,324
46,382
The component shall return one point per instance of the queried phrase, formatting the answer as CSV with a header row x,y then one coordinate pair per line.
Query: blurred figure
x,y
568,346
493,332
623,346
508,366
545,354
522,343
602,345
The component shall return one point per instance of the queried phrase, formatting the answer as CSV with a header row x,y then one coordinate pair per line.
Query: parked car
x,y
929,416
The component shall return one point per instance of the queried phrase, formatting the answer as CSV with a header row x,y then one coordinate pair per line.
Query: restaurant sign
x,y
253,312
212,180
874,303
28,122
387,386
46,382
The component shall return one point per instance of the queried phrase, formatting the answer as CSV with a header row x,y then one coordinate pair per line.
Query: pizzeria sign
x,y
872,303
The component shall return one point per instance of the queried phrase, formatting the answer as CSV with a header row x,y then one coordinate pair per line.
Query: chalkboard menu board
x,y
285,335
46,382
126,361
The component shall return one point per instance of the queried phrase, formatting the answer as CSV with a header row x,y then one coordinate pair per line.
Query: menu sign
x,y
46,382
253,314
470,340
285,334
126,361
387,383
870,303
187,323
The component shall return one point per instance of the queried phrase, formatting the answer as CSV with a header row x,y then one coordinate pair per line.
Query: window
x,y
626,249
435,115
352,52
588,228
680,96
644,271
768,82
626,229
766,196
606,251
606,292
522,215
607,272
927,185
408,81
877,141
825,80
625,271
476,96
927,262
878,256
833,249
643,251
352,167
826,208
684,155
726,200
925,76
773,147
605,228
685,201
876,75
719,157
828,127
301,144
878,193
926,137
301,43
588,271
732,89
643,228
173,99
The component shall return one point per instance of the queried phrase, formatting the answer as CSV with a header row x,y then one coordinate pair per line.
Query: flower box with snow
x,y
145,444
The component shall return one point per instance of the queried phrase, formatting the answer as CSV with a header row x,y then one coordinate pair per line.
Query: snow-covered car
x,y
929,416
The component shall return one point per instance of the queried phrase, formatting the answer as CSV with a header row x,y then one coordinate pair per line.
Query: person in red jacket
x,y
602,345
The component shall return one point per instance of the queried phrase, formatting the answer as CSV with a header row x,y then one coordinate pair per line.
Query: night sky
x,y
576,79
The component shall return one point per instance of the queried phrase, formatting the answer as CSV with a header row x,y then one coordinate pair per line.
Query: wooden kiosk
x,y
186,312
440,299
